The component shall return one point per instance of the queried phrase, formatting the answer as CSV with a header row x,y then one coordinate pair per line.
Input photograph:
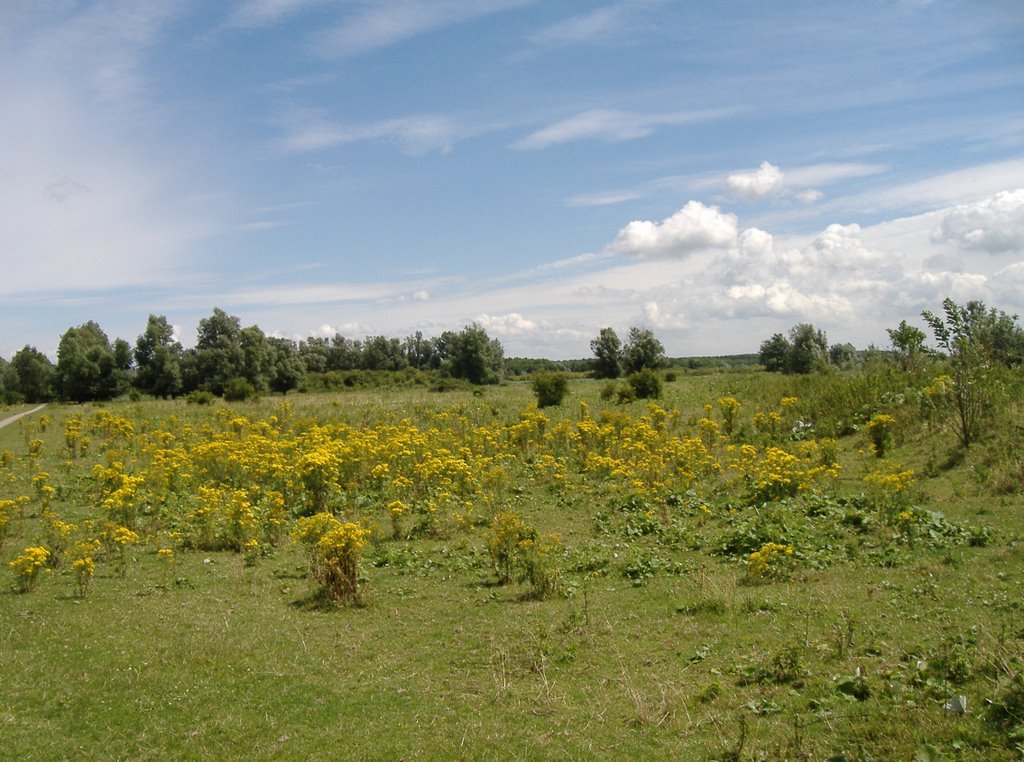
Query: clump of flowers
x,y
519,553
56,535
6,512
396,509
337,564
729,407
28,566
72,434
891,485
119,539
509,537
772,561
880,429
83,565
334,550
251,551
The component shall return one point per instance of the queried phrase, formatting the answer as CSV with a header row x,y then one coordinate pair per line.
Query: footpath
x,y
13,418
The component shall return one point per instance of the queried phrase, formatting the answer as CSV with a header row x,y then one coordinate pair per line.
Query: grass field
x,y
705,584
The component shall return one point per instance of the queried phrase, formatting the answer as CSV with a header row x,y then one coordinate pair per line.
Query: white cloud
x,y
378,25
415,135
692,228
611,126
512,324
260,13
830,172
602,199
84,199
994,225
770,180
593,26
947,189
764,181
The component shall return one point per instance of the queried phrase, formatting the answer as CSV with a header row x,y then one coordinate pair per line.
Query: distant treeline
x,y
235,362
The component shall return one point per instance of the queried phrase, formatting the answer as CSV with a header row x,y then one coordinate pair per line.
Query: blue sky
x,y
716,172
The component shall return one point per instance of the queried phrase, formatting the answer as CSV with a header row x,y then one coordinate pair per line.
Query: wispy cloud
x,y
414,135
612,126
260,13
603,199
378,25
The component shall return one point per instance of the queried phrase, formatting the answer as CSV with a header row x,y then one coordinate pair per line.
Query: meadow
x,y
755,566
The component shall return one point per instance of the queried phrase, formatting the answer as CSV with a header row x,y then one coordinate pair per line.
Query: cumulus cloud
x,y
511,324
692,228
993,225
809,196
764,181
785,299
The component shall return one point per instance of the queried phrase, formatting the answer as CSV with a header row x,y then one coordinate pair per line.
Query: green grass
x,y
213,659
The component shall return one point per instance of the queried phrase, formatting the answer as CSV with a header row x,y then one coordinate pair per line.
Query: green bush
x,y
238,390
646,384
200,397
550,388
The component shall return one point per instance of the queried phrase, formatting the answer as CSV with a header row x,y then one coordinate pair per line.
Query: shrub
x,y
646,384
550,388
238,390
200,397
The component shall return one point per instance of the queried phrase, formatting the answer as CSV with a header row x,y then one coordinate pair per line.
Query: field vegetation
x,y
738,565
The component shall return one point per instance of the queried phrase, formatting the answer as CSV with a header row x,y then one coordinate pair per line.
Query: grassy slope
x,y
213,660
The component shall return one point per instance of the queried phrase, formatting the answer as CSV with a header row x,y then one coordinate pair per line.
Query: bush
x,y
646,384
550,388
200,397
238,390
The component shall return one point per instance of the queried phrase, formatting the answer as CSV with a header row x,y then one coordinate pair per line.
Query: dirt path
x,y
13,418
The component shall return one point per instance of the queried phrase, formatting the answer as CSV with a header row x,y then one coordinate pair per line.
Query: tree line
x,y
232,360
235,361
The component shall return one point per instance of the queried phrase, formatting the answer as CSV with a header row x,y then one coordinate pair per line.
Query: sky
x,y
715,172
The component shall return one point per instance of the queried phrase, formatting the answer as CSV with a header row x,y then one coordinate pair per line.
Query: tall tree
x,y
808,349
642,350
908,344
382,353
419,351
257,359
31,375
87,368
218,353
774,353
970,393
472,355
158,359
287,368
607,351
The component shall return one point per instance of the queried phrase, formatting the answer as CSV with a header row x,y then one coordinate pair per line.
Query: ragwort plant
x,y
28,567
333,550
